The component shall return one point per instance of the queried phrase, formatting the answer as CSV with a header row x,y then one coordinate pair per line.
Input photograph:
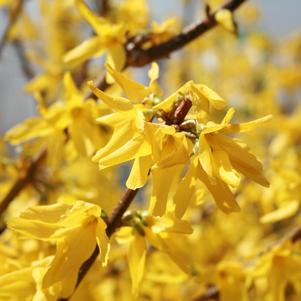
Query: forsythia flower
x,y
25,283
225,18
109,37
281,266
164,142
76,229
161,233
74,114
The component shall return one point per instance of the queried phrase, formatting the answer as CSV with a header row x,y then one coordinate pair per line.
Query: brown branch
x,y
212,293
25,178
13,17
138,57
24,63
114,220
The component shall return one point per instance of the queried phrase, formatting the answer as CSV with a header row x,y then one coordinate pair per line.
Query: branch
x,y
138,57
13,17
114,221
25,65
211,294
25,177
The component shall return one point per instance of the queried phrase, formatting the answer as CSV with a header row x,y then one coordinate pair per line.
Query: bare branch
x,y
25,177
25,64
138,57
13,17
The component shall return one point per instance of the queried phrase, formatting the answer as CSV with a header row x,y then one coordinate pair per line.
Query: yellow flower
x,y
225,18
279,267
73,114
218,162
161,233
174,143
76,229
110,37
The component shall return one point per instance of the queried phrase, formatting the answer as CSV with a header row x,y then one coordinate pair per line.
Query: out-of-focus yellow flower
x,y
76,229
74,114
225,18
159,232
110,37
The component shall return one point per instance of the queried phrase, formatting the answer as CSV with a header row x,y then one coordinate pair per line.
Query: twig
x,y
24,179
25,65
212,293
103,7
179,112
147,55
13,17
138,57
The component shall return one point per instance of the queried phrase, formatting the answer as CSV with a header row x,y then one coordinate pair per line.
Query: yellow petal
x,y
93,20
221,193
139,172
229,115
248,126
177,250
103,241
225,169
121,135
131,149
135,91
215,100
81,134
184,193
27,130
153,73
55,148
72,251
70,87
136,260
242,159
225,18
116,103
285,211
40,222
88,49
162,181
205,156
17,285
117,56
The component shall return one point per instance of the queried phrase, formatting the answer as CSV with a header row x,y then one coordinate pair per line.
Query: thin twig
x,y
13,17
159,51
25,65
114,221
24,179
212,293
138,56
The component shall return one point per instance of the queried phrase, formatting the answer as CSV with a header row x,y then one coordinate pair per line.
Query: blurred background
x,y
278,18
